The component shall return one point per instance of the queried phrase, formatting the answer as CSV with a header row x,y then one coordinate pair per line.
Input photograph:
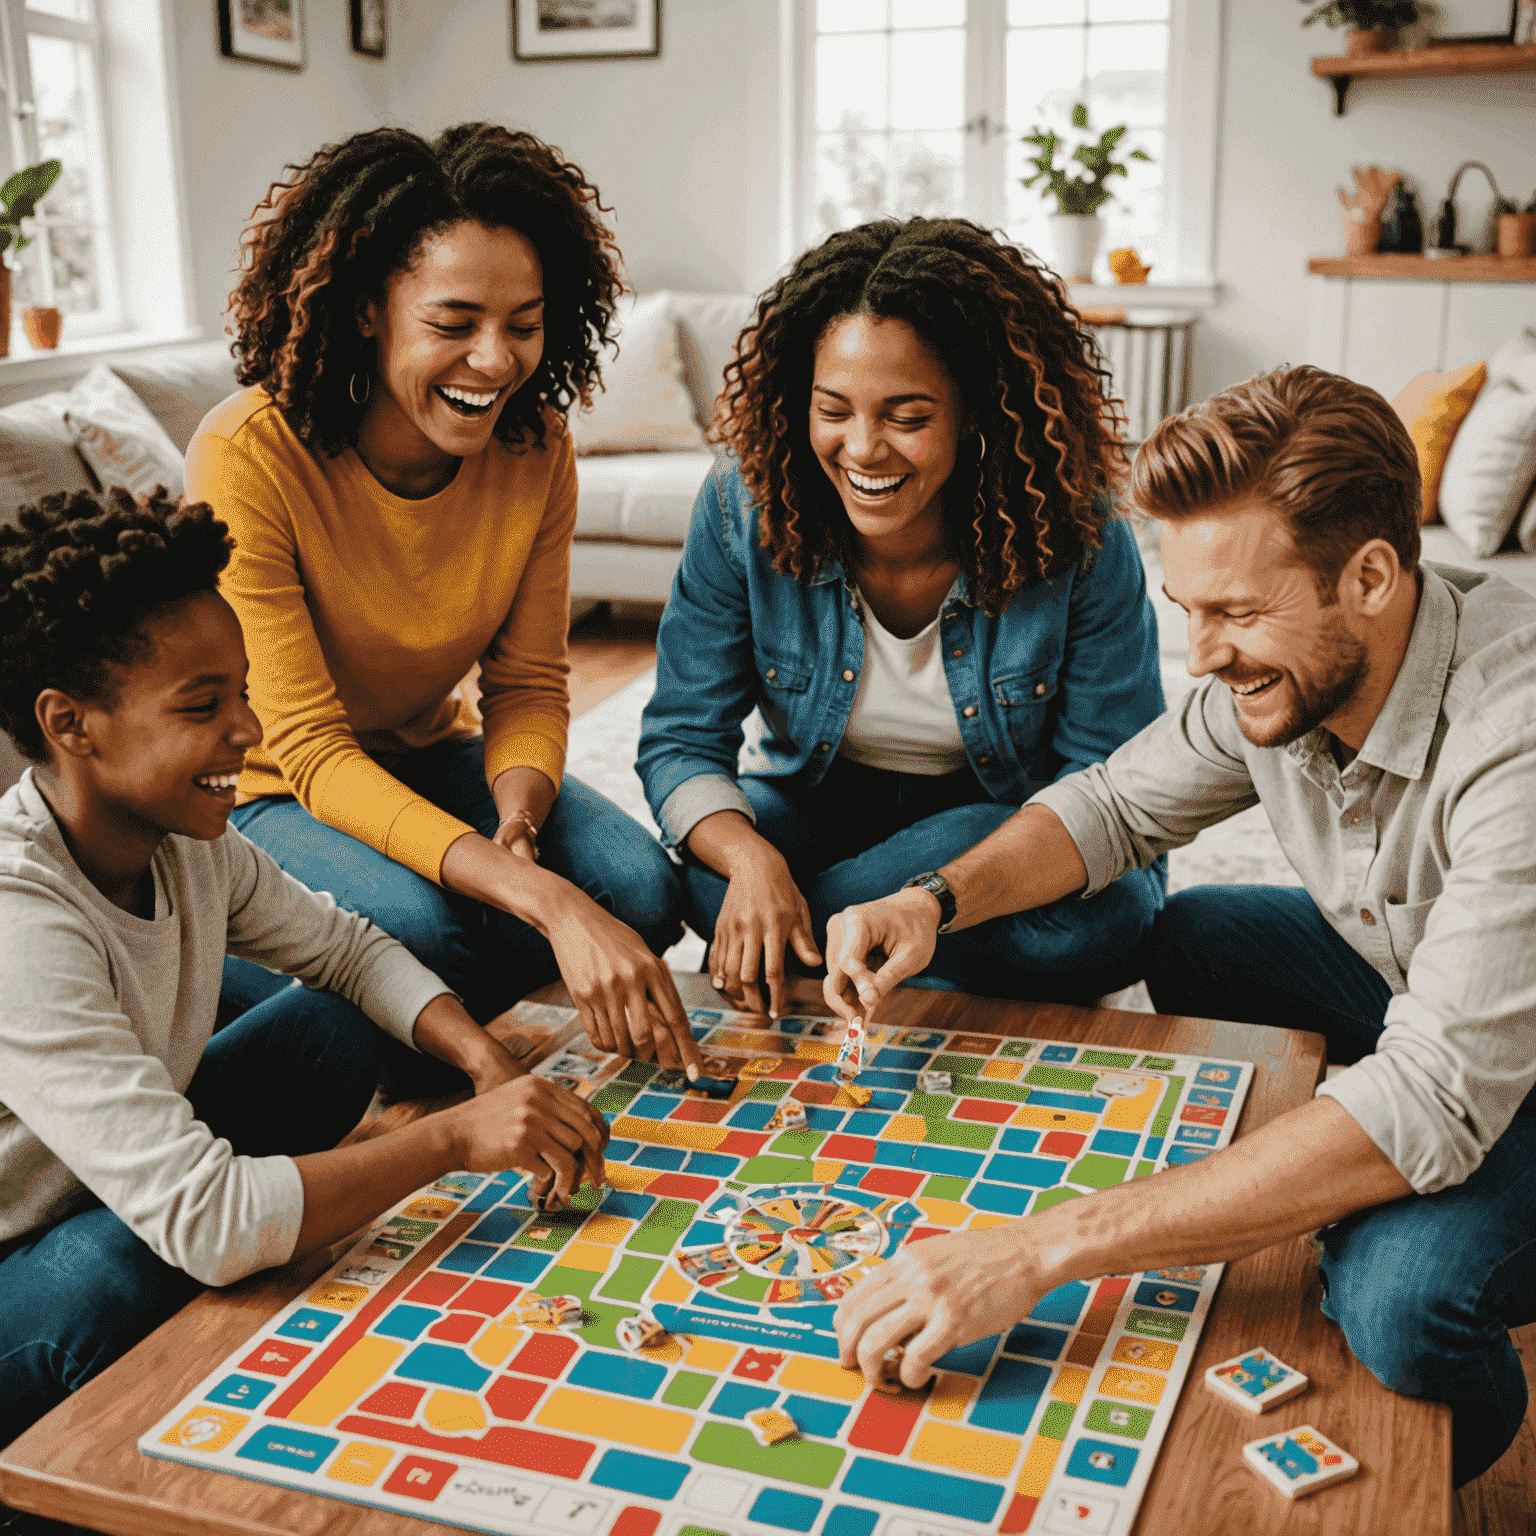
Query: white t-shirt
x,y
903,719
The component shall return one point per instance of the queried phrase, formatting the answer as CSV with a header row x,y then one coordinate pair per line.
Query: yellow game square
x,y
904,1128
966,1450
824,1170
670,1286
1043,1118
359,1463
339,1297
1070,1383
206,1429
498,1341
1135,1386
709,1354
429,1209
981,1220
620,1176
589,1256
804,1374
1150,1354
1038,1465
951,1395
815,1050
948,1213
1006,1070
601,1227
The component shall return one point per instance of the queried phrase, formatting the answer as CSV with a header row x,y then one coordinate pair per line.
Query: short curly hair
x,y
1031,379
324,241
80,577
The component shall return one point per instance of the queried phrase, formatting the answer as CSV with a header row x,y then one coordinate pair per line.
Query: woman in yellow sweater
x,y
414,319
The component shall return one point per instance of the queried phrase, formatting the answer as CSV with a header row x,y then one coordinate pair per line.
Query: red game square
x,y
1111,1289
974,1045
1061,1144
395,1400
758,1364
457,1327
513,1397
739,1144
848,1149
545,1354
788,1071
488,1296
813,1093
274,1358
419,1477
893,1181
435,1287
983,1109
917,1234
682,1186
885,1424
701,1111
634,1521
1020,1513
1199,1115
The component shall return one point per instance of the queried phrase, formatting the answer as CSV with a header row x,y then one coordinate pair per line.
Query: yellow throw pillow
x,y
1433,406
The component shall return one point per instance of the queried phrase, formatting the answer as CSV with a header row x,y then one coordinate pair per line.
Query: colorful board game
x,y
426,1372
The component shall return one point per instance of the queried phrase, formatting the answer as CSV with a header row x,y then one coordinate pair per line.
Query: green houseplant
x,y
1073,231
1372,24
20,195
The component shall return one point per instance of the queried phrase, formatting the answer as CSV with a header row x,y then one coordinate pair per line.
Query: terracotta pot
x,y
43,325
5,310
1378,40
1517,234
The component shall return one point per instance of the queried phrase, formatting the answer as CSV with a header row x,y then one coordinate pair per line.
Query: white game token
x,y
935,1082
1300,1461
1120,1085
1256,1380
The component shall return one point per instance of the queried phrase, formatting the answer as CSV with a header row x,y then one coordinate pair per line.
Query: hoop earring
x,y
981,441
979,503
359,399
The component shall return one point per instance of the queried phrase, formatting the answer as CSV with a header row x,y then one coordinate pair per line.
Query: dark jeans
x,y
487,956
292,1075
863,831
1425,1288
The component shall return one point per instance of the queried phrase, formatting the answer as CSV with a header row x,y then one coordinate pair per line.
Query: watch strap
x,y
937,886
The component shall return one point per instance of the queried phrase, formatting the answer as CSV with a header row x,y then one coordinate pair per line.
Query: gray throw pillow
x,y
36,454
182,386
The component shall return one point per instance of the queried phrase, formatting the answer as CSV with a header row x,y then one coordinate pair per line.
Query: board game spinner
x,y
427,1372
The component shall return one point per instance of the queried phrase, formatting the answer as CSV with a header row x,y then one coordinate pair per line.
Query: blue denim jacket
x,y
1065,675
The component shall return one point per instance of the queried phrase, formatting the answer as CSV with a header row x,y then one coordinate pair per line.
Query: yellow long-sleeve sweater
x,y
362,610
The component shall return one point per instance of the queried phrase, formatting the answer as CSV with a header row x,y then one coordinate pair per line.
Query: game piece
x,y
1299,1461
716,1080
669,1080
889,1380
761,1066
1255,1381
769,1426
936,1082
850,1055
539,1234
852,1096
567,1311
640,1332
789,1116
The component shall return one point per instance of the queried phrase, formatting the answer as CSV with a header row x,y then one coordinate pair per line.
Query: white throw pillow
x,y
1492,464
644,405
116,435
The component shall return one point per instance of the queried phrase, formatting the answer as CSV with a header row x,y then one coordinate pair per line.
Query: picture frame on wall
x,y
369,28
546,30
267,32
1475,21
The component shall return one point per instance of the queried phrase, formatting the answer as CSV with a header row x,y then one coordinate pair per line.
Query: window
x,y
920,106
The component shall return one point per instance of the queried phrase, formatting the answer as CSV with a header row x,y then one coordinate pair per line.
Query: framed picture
x,y
368,31
1475,21
585,29
263,32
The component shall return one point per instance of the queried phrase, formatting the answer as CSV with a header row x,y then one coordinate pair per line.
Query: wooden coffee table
x,y
82,1464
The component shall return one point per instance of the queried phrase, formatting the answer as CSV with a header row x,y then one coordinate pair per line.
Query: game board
x,y
406,1380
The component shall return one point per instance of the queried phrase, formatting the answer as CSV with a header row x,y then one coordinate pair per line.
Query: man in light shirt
x,y
1384,714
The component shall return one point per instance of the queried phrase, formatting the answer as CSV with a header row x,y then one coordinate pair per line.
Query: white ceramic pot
x,y
1071,240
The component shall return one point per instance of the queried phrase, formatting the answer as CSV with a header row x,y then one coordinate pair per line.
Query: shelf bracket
x,y
1340,84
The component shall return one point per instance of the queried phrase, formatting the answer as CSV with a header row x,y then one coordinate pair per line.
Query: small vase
x,y
44,325
1517,234
1374,40
1071,239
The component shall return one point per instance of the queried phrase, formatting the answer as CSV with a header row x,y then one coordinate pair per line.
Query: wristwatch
x,y
937,885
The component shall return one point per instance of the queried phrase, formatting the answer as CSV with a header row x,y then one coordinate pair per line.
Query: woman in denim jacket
x,y
907,565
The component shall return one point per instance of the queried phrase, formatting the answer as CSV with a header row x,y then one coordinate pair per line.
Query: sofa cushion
x,y
639,498
707,327
181,385
115,433
36,453
1432,406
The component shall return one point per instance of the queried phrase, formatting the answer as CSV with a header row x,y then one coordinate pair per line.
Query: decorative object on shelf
x,y
1372,25
1475,21
585,29
21,194
1125,266
369,33
1525,24
1402,230
1517,231
1363,208
267,32
1445,243
1072,232
43,325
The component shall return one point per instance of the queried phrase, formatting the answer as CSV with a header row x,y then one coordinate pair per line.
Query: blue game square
x,y
971,1359
1116,1143
851,1175
714,1302
1201,1135
1005,1199
788,1511
905,1081
466,1258
1217,1074
1210,1098
819,1119
444,1365
626,1203
865,1122
1063,1305
1032,1339
947,1160
822,1072
241,1391
1058,1053
619,1151
489,1193
1037,1172
519,1264
735,1399
649,1476
815,1416
1122,1462
406,1321
668,1158
621,1374
309,1324
1166,1297
652,1106
703,1234
713,1165
883,1098
1019,1141
751,1114
1153,1148
280,1446
1182,1154
1008,1396
895,1059
850,1520
897,1482
894,1154
498,1226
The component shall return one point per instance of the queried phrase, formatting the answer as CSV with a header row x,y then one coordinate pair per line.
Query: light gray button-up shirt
x,y
1421,853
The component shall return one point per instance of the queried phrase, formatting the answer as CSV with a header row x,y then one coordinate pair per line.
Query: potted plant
x,y
1372,25
1072,232
21,194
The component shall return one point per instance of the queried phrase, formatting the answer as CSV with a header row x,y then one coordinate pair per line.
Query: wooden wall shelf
x,y
1422,63
1440,269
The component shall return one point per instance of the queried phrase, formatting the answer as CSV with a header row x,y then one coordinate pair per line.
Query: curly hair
x,y
326,240
80,577
1031,381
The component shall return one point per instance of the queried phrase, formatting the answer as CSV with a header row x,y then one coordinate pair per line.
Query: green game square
x,y
562,1227
687,1390
1016,1048
602,1321
797,1143
991,1088
562,1280
660,1230
629,1281
612,1099
1049,1197
777,1170
1143,1169
1164,1113
942,1187
770,1088
931,1106
1158,1063
1107,1058
1099,1171
1118,1419
638,1073
1157,1325
1043,1076
812,1463
948,1061
1056,1421
745,1287
699,1530
976,1135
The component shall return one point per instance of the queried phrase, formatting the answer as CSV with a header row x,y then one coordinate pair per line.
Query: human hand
x,y
518,834
762,913
542,1130
904,927
626,997
935,1296
496,1065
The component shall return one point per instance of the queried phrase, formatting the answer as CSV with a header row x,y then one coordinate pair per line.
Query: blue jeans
x,y
862,832
292,1075
487,956
1426,1288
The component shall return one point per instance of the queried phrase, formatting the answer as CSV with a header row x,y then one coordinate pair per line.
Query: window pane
x,y
72,250
850,15
70,10
1043,13
1127,10
1045,77
928,79
1127,77
851,81
850,180
928,13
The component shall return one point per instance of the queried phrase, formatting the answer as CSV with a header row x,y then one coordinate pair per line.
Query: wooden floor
x,y
610,647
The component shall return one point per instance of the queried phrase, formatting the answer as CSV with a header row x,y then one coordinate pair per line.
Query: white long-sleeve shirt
x,y
1421,853
104,1017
